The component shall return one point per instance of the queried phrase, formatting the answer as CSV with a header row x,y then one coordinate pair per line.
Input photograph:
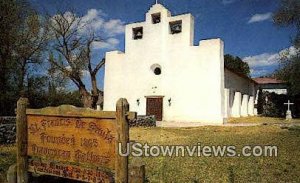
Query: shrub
x,y
273,104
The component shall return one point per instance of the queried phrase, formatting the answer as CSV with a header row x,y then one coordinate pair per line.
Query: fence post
x,y
122,136
22,163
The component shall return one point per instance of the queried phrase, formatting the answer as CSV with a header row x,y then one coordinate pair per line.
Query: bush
x,y
260,102
273,104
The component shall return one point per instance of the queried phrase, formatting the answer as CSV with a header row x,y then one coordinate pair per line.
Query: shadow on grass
x,y
50,179
294,128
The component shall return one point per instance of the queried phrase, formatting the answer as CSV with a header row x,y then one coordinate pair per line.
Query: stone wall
x,y
7,130
143,121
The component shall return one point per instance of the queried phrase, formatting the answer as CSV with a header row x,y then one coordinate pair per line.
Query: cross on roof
x,y
288,104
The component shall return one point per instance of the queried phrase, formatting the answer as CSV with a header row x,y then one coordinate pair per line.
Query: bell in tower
x,y
137,33
175,27
155,18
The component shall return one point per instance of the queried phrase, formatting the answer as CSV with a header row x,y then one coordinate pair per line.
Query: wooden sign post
x,y
74,143
123,138
22,163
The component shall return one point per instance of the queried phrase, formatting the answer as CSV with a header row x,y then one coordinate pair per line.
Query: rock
x,y
12,174
143,121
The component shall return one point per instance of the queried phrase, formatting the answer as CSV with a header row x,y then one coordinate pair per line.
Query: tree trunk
x,y
87,99
3,85
95,92
2,89
22,79
3,71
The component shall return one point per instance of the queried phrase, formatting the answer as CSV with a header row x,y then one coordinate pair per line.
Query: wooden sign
x,y
74,143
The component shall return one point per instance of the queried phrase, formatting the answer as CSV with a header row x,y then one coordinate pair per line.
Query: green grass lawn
x,y
284,168
7,158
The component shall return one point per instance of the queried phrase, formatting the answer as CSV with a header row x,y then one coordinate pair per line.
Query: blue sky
x,y
245,26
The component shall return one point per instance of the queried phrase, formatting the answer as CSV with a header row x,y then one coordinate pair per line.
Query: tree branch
x,y
99,65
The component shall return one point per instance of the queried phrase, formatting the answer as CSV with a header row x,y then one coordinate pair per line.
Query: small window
x,y
176,27
157,71
156,18
137,33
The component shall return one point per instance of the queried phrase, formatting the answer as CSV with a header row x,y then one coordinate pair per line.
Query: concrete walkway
x,y
187,124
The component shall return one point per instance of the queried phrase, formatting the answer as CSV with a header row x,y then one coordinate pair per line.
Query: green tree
x,y
288,15
43,92
289,72
23,36
9,21
60,96
73,53
236,64
32,40
260,102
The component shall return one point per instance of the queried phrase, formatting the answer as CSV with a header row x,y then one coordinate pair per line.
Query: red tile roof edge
x,y
268,80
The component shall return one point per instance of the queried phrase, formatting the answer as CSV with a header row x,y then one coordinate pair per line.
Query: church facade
x,y
163,73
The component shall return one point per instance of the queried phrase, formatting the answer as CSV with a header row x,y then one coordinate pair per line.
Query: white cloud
x,y
259,72
260,64
260,17
85,73
269,59
94,21
289,52
265,59
114,27
110,43
94,18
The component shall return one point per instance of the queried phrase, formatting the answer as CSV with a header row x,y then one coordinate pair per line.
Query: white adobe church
x,y
163,73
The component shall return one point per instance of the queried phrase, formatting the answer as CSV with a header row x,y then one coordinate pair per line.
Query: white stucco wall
x,y
278,88
277,91
244,107
235,82
192,76
235,109
242,94
251,106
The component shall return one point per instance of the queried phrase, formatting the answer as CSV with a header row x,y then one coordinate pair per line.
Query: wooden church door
x,y
154,106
